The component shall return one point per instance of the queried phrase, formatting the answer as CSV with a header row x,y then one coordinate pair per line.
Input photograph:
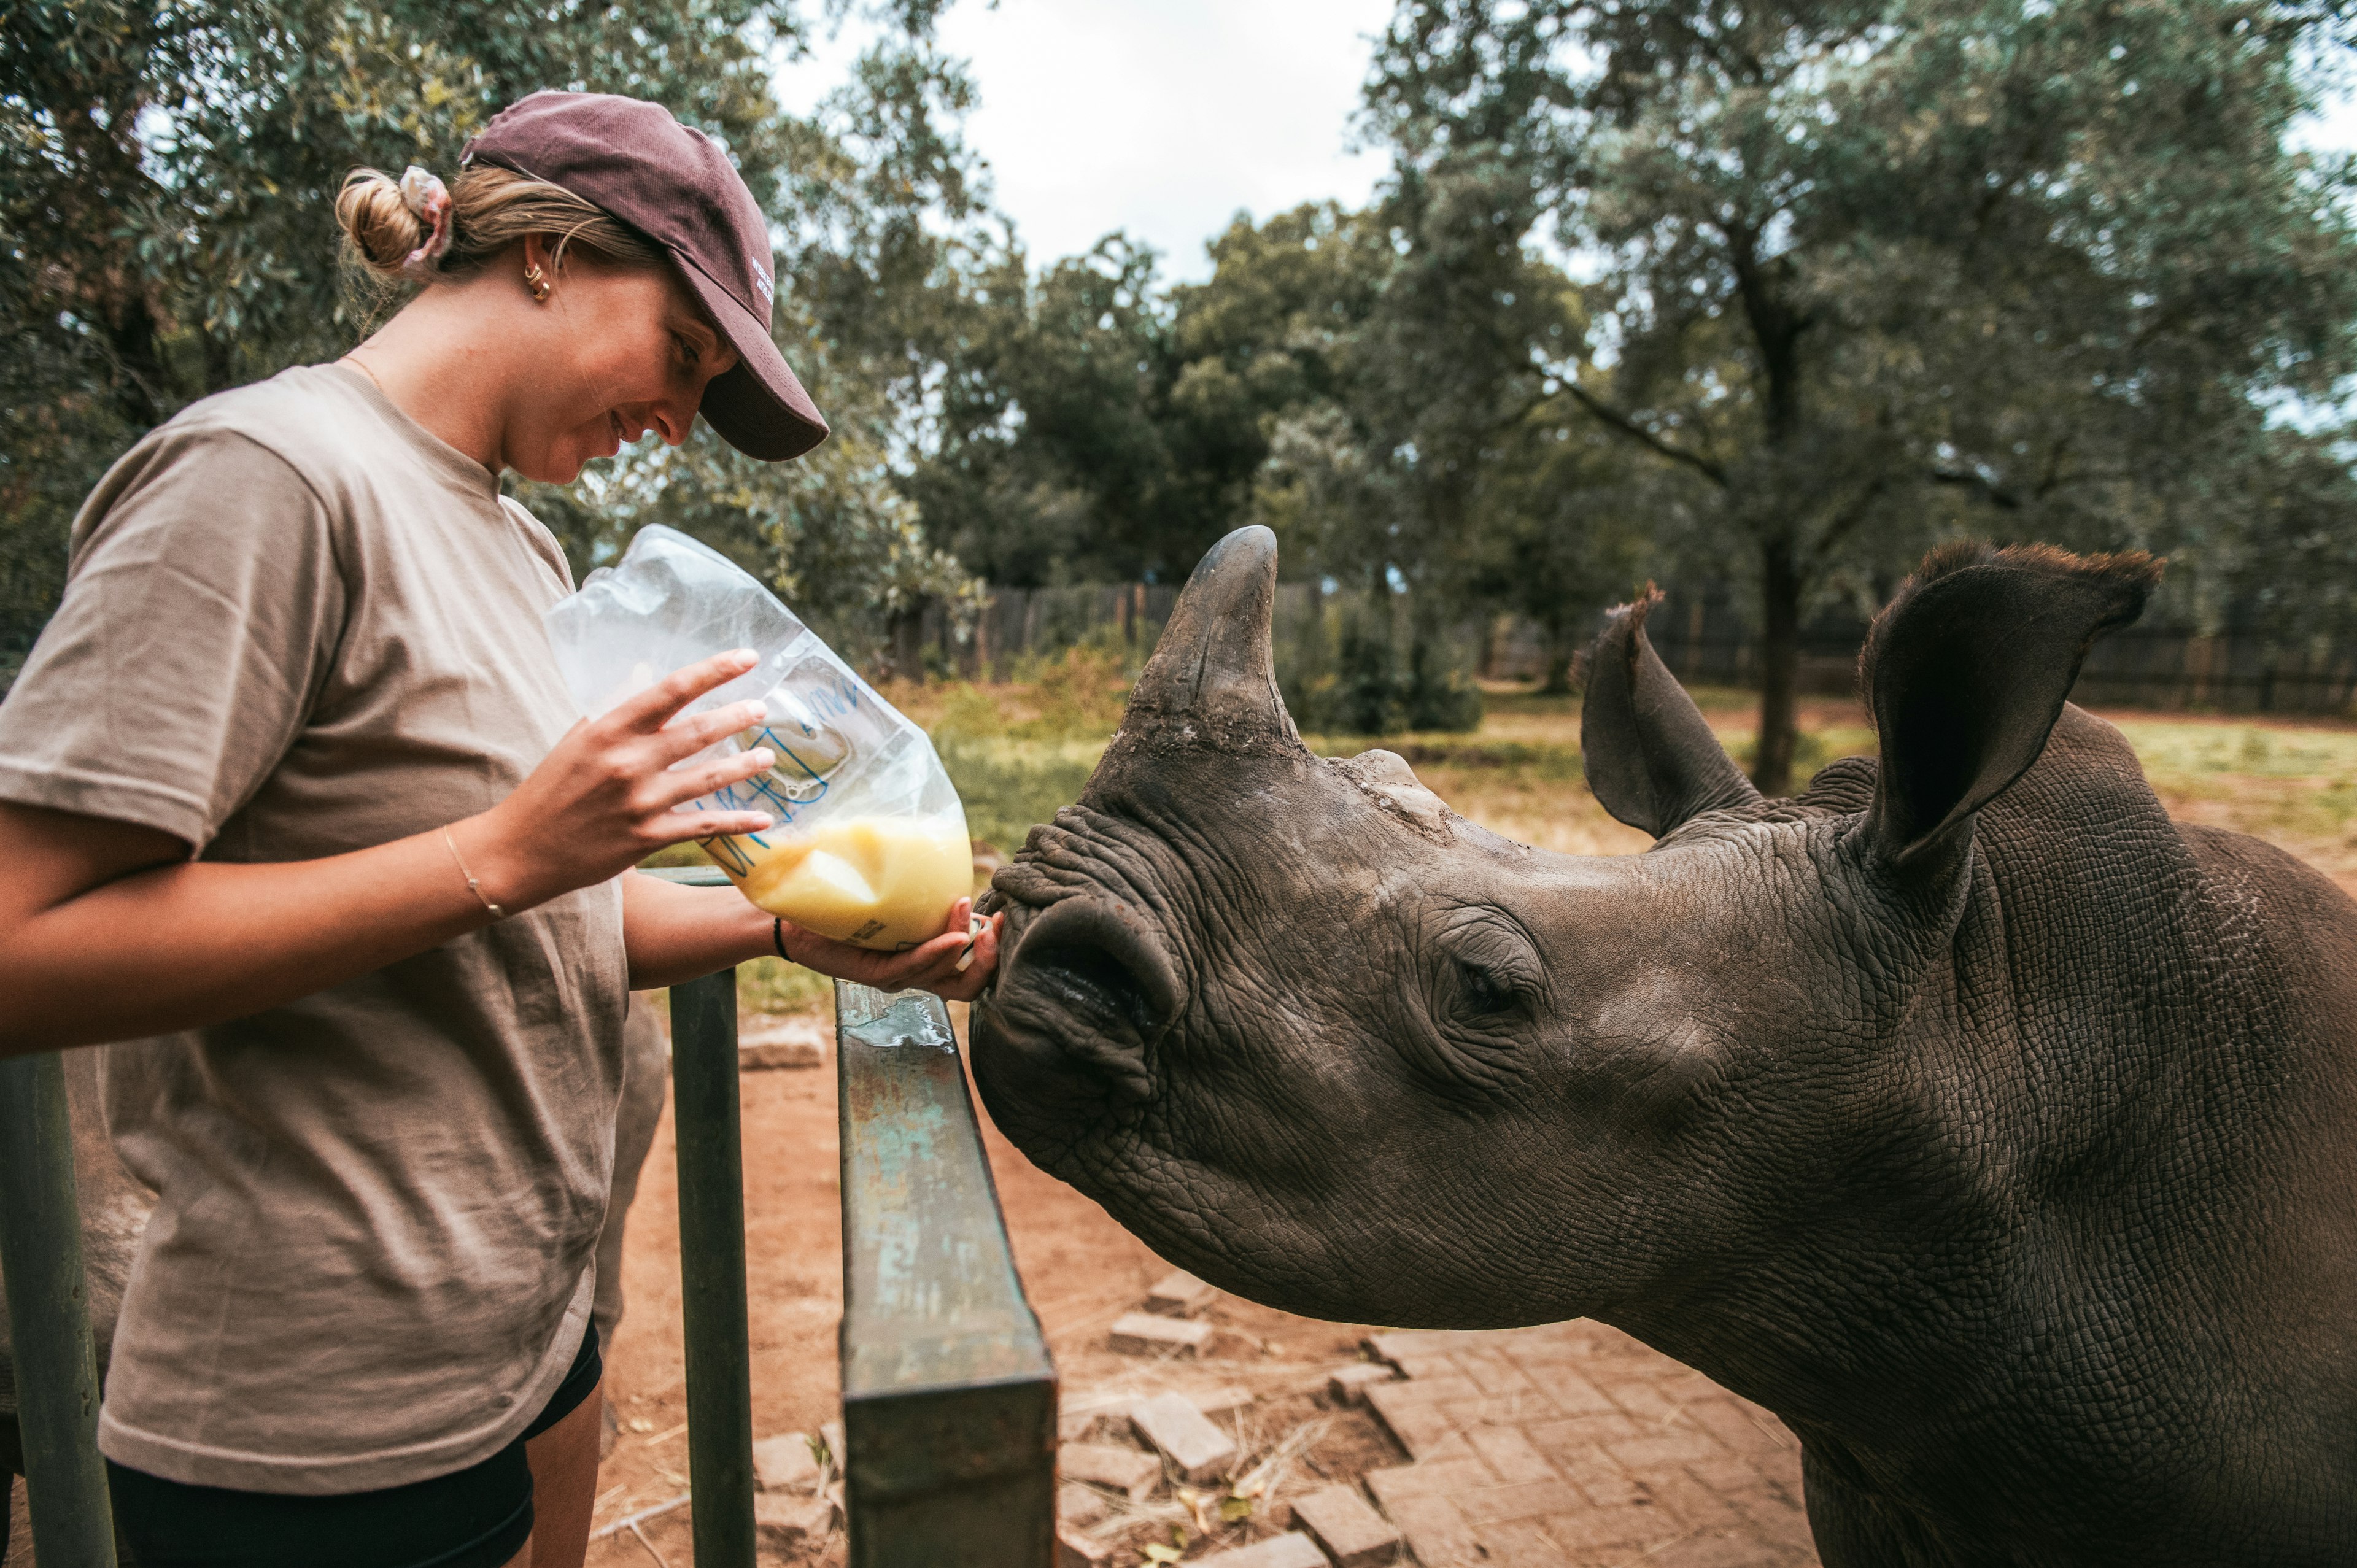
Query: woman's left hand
x,y
930,966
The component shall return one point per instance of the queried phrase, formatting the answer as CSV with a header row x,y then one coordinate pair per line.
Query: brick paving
x,y
1572,1445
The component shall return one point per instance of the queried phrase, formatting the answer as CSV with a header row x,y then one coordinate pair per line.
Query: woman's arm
x,y
108,932
677,933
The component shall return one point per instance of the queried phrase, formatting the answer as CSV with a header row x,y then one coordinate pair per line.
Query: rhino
x,y
1991,1128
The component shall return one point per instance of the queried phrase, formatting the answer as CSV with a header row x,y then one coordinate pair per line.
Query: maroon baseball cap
x,y
675,185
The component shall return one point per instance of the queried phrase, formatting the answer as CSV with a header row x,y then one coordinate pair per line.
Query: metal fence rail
x,y
949,1398
48,1318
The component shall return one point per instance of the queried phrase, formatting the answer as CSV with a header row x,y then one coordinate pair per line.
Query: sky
x,y
1162,117
1167,117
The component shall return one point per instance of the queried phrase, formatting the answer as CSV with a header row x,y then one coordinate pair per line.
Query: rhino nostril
x,y
1086,985
1093,985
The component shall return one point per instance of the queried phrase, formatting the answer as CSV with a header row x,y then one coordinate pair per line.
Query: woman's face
x,y
629,351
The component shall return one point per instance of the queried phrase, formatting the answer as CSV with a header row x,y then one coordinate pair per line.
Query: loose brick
x,y
1144,1334
784,1464
1079,1507
1527,1500
1348,1385
1424,1430
785,1043
1125,1470
790,1523
1287,1550
1179,1295
1353,1534
1222,1401
1429,1369
1509,1451
1182,1434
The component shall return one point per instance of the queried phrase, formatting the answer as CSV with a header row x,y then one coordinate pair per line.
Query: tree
x,y
1877,271
167,172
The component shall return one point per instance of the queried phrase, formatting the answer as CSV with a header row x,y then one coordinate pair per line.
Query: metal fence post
x,y
949,1397
48,1318
706,1129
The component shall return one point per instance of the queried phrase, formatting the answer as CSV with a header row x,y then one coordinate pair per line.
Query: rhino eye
x,y
1490,963
1486,991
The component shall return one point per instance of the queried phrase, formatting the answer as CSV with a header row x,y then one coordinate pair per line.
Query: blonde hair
x,y
490,209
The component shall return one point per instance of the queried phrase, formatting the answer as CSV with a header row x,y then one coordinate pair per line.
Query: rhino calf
x,y
1992,1129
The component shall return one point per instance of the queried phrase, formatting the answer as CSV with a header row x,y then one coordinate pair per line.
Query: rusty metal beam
x,y
949,1397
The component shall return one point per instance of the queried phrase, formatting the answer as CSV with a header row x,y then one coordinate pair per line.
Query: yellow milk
x,y
885,883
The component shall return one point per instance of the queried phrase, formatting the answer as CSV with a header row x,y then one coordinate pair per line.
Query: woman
x,y
292,797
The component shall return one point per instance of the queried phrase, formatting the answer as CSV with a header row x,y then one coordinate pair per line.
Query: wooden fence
x,y
1702,635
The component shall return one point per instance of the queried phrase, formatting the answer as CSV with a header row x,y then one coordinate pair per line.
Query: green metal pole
x,y
48,1318
705,1125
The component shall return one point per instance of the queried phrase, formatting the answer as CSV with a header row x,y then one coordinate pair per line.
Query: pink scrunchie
x,y
426,196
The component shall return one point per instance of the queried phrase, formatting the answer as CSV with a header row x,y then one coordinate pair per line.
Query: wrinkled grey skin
x,y
1993,1130
115,1207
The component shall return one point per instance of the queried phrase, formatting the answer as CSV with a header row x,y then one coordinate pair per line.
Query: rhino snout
x,y
1081,1000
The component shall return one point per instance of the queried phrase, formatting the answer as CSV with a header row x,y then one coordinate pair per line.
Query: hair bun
x,y
380,231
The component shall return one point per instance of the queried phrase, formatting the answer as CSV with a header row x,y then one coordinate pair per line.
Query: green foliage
x,y
1875,274
1369,683
168,172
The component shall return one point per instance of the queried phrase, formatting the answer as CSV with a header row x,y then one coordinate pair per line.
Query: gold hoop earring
x,y
538,281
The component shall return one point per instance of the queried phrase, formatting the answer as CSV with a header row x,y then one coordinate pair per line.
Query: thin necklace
x,y
360,365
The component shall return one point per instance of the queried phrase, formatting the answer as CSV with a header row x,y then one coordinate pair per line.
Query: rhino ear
x,y
1966,669
1651,757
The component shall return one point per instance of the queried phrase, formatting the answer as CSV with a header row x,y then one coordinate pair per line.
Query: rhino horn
x,y
1213,680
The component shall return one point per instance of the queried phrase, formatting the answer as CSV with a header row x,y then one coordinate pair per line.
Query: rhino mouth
x,y
1081,1000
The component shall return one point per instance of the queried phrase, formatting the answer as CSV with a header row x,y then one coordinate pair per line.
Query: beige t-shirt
x,y
298,624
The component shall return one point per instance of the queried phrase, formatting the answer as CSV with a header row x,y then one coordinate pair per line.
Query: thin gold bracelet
x,y
472,885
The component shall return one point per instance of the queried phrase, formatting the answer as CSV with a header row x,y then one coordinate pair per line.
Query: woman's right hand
x,y
608,796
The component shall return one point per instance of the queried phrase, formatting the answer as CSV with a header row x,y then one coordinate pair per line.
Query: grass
x,y
1020,751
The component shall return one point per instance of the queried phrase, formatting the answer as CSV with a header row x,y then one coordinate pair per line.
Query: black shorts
x,y
476,1517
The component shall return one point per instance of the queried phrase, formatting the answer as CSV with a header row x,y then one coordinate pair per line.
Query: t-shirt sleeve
x,y
202,606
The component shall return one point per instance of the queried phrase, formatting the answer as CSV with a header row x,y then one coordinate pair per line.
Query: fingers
x,y
678,827
931,965
973,973
651,709
686,738
677,785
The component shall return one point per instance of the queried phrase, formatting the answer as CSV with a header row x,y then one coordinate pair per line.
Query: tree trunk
x,y
1779,665
1562,647
904,632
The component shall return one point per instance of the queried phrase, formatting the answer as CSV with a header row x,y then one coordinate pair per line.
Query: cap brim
x,y
758,405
